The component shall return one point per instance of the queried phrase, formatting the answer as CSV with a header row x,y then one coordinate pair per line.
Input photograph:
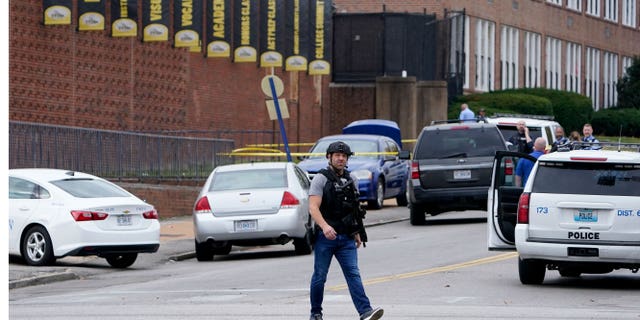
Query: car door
x,y
24,199
394,168
502,202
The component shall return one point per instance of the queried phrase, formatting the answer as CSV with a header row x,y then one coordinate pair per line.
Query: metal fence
x,y
124,155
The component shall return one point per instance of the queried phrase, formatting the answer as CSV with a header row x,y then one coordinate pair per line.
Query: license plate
x,y
124,220
246,225
461,174
585,215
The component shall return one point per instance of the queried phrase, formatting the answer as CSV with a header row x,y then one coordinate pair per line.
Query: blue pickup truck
x,y
379,162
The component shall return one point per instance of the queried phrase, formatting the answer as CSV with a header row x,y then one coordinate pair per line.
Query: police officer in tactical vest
x,y
335,207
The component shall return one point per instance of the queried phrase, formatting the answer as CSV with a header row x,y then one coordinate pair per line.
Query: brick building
x,y
582,46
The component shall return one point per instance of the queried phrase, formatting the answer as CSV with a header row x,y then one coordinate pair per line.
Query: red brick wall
x,y
351,103
169,199
58,75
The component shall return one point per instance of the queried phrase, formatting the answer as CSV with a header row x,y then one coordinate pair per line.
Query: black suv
x,y
451,168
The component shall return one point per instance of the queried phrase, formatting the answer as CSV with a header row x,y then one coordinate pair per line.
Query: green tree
x,y
629,86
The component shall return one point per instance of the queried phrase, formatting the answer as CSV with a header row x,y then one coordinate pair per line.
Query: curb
x,y
59,276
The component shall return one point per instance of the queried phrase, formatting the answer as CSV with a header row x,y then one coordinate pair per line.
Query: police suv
x,y
579,212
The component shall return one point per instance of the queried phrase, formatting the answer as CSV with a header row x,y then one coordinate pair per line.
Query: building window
x,y
556,2
592,76
485,55
532,60
575,5
457,57
509,51
593,7
610,79
573,65
626,63
553,62
629,17
611,10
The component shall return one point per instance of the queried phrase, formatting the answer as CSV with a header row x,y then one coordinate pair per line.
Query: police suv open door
x,y
502,203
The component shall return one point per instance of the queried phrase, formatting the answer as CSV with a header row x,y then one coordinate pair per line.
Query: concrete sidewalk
x,y
176,243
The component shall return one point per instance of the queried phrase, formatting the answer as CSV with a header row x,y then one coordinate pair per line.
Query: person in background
x,y
466,115
587,131
574,136
561,140
524,166
522,138
482,116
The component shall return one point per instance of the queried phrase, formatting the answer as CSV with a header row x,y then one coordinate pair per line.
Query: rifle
x,y
360,214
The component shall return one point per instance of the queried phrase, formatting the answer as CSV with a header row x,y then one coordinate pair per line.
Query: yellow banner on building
x,y
245,30
219,29
56,12
320,15
187,24
272,23
296,35
91,15
155,20
124,18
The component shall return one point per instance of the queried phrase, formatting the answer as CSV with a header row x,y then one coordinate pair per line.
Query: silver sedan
x,y
252,204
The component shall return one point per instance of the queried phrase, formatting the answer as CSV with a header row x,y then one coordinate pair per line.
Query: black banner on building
x,y
155,20
187,24
91,15
124,18
320,19
219,28
296,35
56,12
245,30
272,23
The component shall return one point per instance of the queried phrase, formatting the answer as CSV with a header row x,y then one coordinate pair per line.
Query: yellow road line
x,y
419,273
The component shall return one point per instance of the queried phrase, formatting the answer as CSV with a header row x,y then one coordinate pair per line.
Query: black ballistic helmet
x,y
339,146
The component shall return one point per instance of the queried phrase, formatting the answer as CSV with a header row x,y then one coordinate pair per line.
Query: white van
x,y
579,212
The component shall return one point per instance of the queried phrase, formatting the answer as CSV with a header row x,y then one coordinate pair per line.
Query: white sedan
x,y
252,204
56,213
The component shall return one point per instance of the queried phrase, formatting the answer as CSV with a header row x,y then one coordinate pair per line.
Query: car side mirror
x,y
511,146
404,155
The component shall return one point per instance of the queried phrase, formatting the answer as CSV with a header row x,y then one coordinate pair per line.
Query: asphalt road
x,y
438,271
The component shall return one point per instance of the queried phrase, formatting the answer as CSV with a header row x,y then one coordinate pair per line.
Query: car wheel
x,y
37,249
223,248
377,202
531,271
204,251
402,200
416,215
303,245
121,260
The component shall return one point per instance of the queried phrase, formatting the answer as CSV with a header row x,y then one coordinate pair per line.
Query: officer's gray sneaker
x,y
316,317
373,314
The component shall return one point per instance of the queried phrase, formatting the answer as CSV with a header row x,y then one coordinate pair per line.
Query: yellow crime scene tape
x,y
267,150
246,152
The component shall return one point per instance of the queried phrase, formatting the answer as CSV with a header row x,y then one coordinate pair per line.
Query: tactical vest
x,y
339,200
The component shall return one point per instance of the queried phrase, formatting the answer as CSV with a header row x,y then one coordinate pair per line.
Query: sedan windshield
x,y
361,148
89,188
249,179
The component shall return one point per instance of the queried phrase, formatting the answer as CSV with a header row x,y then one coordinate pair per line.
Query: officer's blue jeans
x,y
345,251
